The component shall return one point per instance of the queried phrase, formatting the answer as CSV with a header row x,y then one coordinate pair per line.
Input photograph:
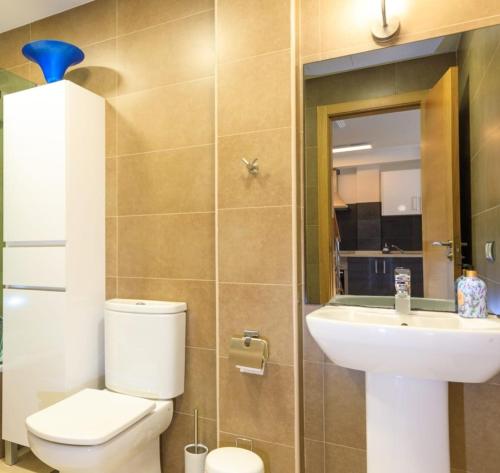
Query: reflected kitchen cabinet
x,y
375,276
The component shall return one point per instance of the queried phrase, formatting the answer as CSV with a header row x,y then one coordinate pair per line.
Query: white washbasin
x,y
432,345
408,361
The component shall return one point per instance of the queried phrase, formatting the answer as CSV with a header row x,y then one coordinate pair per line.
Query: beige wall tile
x,y
254,94
153,12
89,23
339,459
310,33
22,71
345,416
146,184
276,458
485,228
111,246
170,117
248,406
11,43
481,427
264,308
251,28
273,184
98,71
111,288
312,352
177,246
255,245
424,19
200,383
110,128
179,434
111,208
198,295
172,52
314,427
314,456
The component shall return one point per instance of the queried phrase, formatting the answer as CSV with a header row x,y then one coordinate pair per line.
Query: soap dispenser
x,y
471,296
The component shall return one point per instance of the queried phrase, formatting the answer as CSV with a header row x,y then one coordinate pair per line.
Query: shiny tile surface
x,y
255,245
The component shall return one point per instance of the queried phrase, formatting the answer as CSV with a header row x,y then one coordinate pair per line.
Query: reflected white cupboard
x,y
401,192
54,246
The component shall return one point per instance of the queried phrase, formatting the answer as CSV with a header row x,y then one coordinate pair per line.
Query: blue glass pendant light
x,y
53,57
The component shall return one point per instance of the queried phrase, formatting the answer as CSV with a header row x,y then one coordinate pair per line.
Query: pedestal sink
x,y
408,360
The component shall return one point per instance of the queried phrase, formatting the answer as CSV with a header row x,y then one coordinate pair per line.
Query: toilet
x,y
117,429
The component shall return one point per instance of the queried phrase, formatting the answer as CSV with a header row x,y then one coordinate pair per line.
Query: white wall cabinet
x,y
401,192
54,246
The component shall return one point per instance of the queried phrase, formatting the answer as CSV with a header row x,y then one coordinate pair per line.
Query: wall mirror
x,y
390,140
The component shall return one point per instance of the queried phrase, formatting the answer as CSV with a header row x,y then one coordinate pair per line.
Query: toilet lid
x,y
233,459
89,417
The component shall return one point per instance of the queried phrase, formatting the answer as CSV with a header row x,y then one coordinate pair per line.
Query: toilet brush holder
x,y
194,458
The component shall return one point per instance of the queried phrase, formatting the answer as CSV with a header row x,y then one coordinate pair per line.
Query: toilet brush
x,y
195,453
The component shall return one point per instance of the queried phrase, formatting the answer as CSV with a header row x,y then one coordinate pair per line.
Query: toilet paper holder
x,y
249,353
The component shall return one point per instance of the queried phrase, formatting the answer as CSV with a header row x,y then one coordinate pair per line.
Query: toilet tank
x,y
145,347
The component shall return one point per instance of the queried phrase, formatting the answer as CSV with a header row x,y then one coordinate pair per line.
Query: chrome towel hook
x,y
252,167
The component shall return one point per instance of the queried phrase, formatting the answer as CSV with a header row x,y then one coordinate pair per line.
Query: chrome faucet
x,y
402,282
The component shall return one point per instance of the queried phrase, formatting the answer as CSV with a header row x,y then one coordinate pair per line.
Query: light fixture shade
x,y
53,57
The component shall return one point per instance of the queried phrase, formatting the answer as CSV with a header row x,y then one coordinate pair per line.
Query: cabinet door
x,y
34,363
34,164
385,277
400,192
363,276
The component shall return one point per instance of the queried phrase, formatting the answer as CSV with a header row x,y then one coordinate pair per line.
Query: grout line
x,y
164,279
161,150
229,283
162,86
257,207
254,56
273,363
485,72
254,283
208,212
263,130
216,229
478,214
200,348
173,20
256,439
210,419
345,446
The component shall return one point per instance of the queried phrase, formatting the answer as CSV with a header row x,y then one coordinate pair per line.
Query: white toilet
x,y
117,429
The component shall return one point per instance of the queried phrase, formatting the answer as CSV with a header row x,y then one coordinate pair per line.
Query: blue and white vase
x,y
471,296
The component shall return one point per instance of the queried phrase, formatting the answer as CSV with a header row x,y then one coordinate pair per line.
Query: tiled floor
x,y
28,463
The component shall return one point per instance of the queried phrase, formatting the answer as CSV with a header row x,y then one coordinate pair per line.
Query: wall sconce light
x,y
387,29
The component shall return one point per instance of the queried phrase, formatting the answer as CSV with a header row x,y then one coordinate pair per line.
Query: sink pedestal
x,y
406,424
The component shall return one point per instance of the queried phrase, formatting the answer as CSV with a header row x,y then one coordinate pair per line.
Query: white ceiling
x,y
395,136
15,13
402,52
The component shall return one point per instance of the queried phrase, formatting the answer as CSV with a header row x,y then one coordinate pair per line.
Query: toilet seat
x,y
89,417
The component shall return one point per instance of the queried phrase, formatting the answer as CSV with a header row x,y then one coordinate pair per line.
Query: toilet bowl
x,y
83,436
118,429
